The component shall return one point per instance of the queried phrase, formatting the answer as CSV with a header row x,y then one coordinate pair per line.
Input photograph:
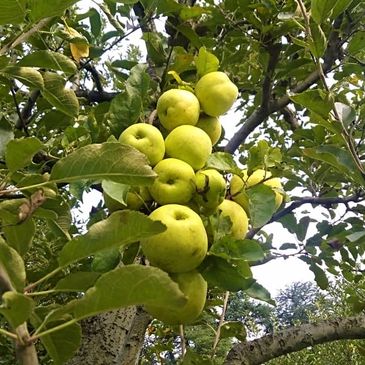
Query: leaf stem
x,y
53,329
37,293
49,275
8,334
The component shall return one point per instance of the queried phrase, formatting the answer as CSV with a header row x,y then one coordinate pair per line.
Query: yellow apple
x,y
182,246
145,138
211,126
177,107
175,182
238,217
190,144
216,93
193,285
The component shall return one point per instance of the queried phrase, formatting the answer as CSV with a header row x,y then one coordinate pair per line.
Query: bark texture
x,y
295,339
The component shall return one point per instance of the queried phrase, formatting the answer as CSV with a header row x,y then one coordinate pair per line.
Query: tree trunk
x,y
295,339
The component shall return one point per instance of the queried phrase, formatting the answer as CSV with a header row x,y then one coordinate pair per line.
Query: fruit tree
x,y
130,99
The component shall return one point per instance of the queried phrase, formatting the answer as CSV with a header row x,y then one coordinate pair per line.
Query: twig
x,y
220,324
21,120
182,340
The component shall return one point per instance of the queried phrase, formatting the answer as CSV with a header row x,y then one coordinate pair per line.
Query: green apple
x,y
193,285
210,190
177,107
175,182
145,138
211,126
216,93
182,246
136,197
239,186
238,217
190,144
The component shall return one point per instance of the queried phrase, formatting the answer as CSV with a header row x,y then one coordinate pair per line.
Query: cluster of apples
x,y
184,190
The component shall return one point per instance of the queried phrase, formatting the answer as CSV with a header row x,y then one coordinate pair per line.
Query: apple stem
x,y
221,322
182,339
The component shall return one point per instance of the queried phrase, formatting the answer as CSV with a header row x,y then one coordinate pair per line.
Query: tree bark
x,y
295,339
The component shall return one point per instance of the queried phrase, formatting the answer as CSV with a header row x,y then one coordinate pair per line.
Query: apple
x,y
239,185
193,285
177,107
210,190
175,182
216,93
182,246
211,126
190,144
145,138
238,217
137,196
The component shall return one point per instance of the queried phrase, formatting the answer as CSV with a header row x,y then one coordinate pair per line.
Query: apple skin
x,y
175,182
190,144
239,185
136,198
177,107
237,216
193,285
211,126
216,93
183,246
145,138
210,190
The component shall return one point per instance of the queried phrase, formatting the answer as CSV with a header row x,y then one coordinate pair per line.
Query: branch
x,y
295,339
94,96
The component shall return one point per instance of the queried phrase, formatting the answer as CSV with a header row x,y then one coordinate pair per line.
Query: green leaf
x,y
95,22
193,358
155,49
321,10
224,275
222,161
356,43
262,204
106,260
19,152
257,291
338,158
233,329
191,12
206,62
61,345
77,281
119,229
315,100
353,237
56,94
346,113
319,276
49,60
26,75
16,307
116,191
40,9
107,161
318,44
302,228
138,285
340,7
228,249
12,265
6,135
20,236
261,155
12,11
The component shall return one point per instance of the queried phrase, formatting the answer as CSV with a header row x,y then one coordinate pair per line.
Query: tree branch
x,y
295,339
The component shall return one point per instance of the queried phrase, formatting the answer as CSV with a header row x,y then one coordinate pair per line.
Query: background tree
x,y
69,86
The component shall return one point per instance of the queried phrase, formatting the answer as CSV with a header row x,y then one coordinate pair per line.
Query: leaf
x,y
233,329
119,229
338,158
13,266
191,12
49,60
138,285
12,11
61,345
77,281
6,135
193,358
302,228
340,7
228,249
16,307
353,237
116,191
315,100
222,161
321,10
19,152
224,275
257,291
56,94
346,114
262,204
26,75
356,43
206,62
318,44
106,260
95,22
319,276
107,161
40,9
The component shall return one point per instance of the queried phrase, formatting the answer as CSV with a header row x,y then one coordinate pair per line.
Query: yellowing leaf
x,y
79,46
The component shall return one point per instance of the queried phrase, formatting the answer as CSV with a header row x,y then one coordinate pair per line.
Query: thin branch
x,y
182,340
22,124
220,324
96,77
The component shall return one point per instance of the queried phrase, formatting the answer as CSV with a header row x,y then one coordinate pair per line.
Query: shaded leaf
x,y
233,329
353,237
319,276
107,161
106,260
120,228
356,43
40,9
6,135
346,114
116,191
12,12
26,75
20,236
206,62
257,291
16,307
321,10
222,161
